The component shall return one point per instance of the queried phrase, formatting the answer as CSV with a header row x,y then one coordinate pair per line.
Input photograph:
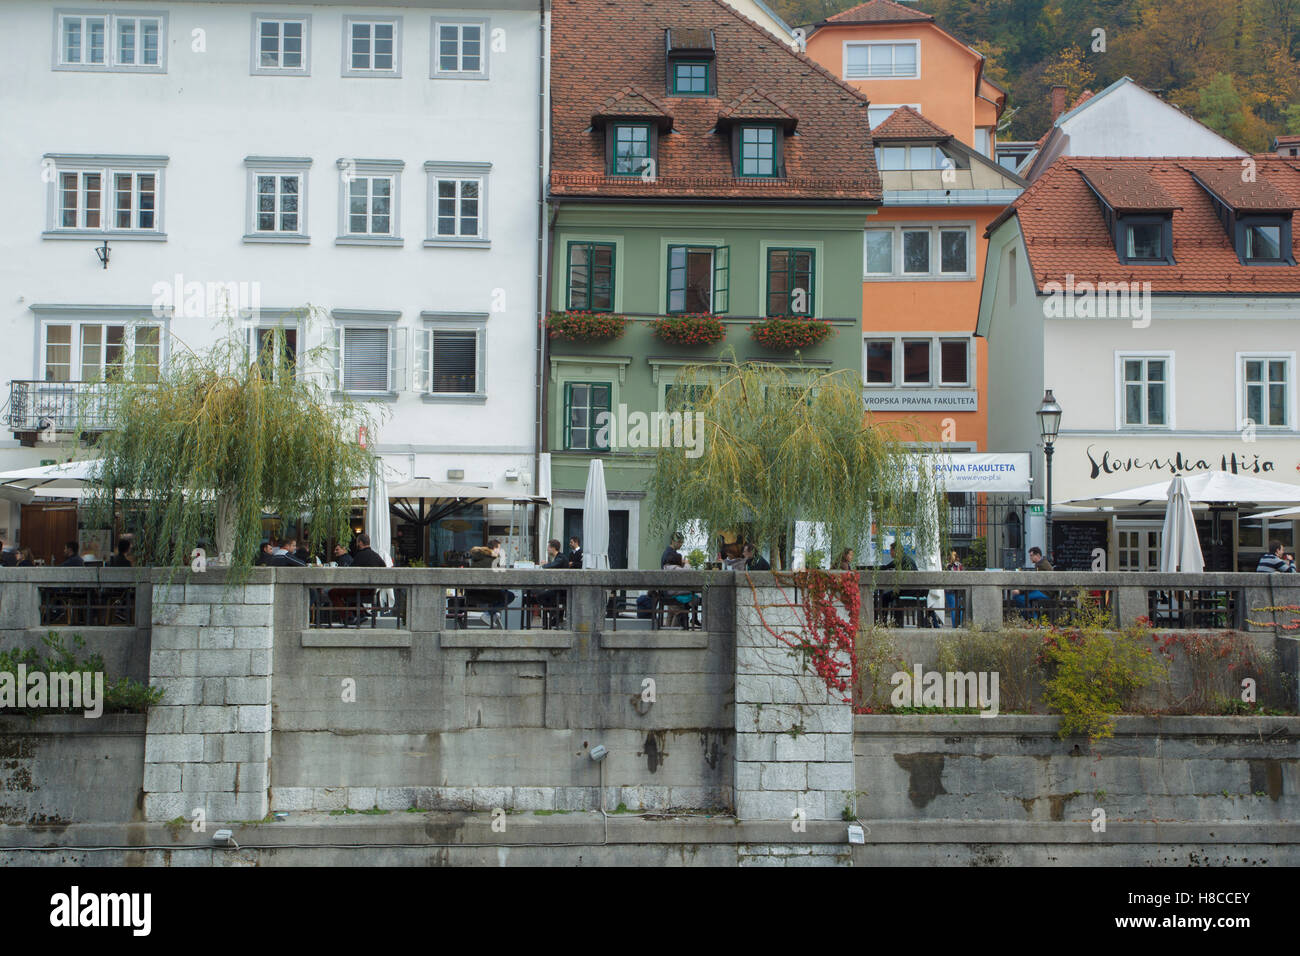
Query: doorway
x,y
46,528
618,533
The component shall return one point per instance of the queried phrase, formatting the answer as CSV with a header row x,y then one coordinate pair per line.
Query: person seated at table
x,y
575,553
732,556
494,601
71,557
264,554
286,556
355,598
25,559
8,556
556,560
753,560
672,554
845,561
1277,560
898,561
120,559
341,556
679,604
1040,563
555,556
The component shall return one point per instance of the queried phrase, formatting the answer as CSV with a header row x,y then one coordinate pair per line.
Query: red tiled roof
x,y
632,102
1128,189
907,123
1065,232
756,104
879,11
1229,186
1288,139
601,48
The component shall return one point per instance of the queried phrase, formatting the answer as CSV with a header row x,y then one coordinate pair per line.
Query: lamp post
x,y
1049,425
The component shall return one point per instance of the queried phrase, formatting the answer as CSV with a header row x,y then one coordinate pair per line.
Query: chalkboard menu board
x,y
406,540
1074,541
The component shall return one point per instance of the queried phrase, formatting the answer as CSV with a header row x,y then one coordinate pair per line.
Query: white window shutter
x,y
421,363
398,380
334,370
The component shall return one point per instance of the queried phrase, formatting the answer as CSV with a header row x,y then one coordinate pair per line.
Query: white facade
x,y
1126,120
387,110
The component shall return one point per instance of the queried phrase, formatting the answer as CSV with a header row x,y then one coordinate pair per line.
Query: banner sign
x,y
982,472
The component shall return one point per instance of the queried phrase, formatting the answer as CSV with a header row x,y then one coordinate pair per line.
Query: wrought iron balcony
x,y
50,408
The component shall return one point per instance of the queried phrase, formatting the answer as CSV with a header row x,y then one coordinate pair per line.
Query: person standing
x,y
1277,560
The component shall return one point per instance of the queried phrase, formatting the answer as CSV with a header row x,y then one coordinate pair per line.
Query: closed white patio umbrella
x,y
1180,548
379,523
595,519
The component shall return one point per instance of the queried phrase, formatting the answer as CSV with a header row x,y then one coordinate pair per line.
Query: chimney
x,y
1058,101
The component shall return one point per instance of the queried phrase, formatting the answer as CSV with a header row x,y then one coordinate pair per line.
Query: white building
x,y
1160,301
381,164
1124,120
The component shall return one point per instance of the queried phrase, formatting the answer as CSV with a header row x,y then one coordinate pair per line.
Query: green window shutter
x,y
602,278
600,402
676,279
722,279
568,413
579,279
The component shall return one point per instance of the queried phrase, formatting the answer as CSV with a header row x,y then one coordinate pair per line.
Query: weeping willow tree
x,y
777,447
200,451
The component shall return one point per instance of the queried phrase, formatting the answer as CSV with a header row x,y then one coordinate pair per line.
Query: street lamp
x,y
1049,425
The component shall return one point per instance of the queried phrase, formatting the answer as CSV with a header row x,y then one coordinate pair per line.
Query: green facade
x,y
638,367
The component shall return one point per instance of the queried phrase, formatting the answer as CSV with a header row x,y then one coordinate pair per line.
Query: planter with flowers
x,y
585,326
694,328
788,332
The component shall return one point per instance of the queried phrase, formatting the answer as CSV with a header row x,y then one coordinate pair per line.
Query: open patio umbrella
x,y
65,480
1206,487
1281,513
1180,548
595,519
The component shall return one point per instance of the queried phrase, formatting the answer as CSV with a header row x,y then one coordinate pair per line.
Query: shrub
x,y
1094,674
1012,656
696,328
697,559
789,332
122,694
585,326
1216,664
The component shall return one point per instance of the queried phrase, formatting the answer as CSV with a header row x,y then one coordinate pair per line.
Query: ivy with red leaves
x,y
824,636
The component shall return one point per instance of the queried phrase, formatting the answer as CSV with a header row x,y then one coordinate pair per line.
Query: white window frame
x,y
255,63
258,166
436,172
907,148
849,44
349,69
349,171
936,253
1290,359
86,316
1121,405
345,319
435,52
112,62
422,363
936,340
55,165
891,107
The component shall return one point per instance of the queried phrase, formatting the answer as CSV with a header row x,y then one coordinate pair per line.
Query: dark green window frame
x,y
594,292
750,147
583,396
639,162
787,270
678,276
675,85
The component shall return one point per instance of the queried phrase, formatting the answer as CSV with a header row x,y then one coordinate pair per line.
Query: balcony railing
x,y
51,407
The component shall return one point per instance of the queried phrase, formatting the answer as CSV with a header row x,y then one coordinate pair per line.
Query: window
x,y
370,201
365,360
1144,239
369,353
102,352
631,149
915,251
1264,240
111,42
280,46
584,429
372,47
757,151
691,78
591,277
926,360
457,213
460,49
1266,390
698,279
121,199
1146,385
449,357
277,199
870,60
790,282
919,157
276,348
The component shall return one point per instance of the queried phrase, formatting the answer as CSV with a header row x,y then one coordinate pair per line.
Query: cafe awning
x,y
1209,487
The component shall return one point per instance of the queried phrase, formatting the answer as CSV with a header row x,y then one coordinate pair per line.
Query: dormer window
x,y
1255,214
918,156
1264,240
692,78
690,57
758,151
631,148
1144,240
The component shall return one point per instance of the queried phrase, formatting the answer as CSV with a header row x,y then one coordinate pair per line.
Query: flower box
x,y
695,328
585,326
789,332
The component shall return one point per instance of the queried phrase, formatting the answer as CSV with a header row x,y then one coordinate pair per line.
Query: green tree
x,y
223,436
1293,118
1220,108
781,446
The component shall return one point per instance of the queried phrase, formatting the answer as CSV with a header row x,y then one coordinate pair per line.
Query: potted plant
x,y
696,559
692,328
788,332
582,326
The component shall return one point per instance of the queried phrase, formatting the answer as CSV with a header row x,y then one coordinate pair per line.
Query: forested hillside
x,y
1233,64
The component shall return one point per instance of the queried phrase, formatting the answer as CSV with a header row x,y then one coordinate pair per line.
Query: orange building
x,y
934,117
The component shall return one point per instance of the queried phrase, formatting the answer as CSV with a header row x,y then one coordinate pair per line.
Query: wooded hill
x,y
1233,64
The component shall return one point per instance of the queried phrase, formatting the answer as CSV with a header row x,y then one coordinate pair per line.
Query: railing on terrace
x,y
58,406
